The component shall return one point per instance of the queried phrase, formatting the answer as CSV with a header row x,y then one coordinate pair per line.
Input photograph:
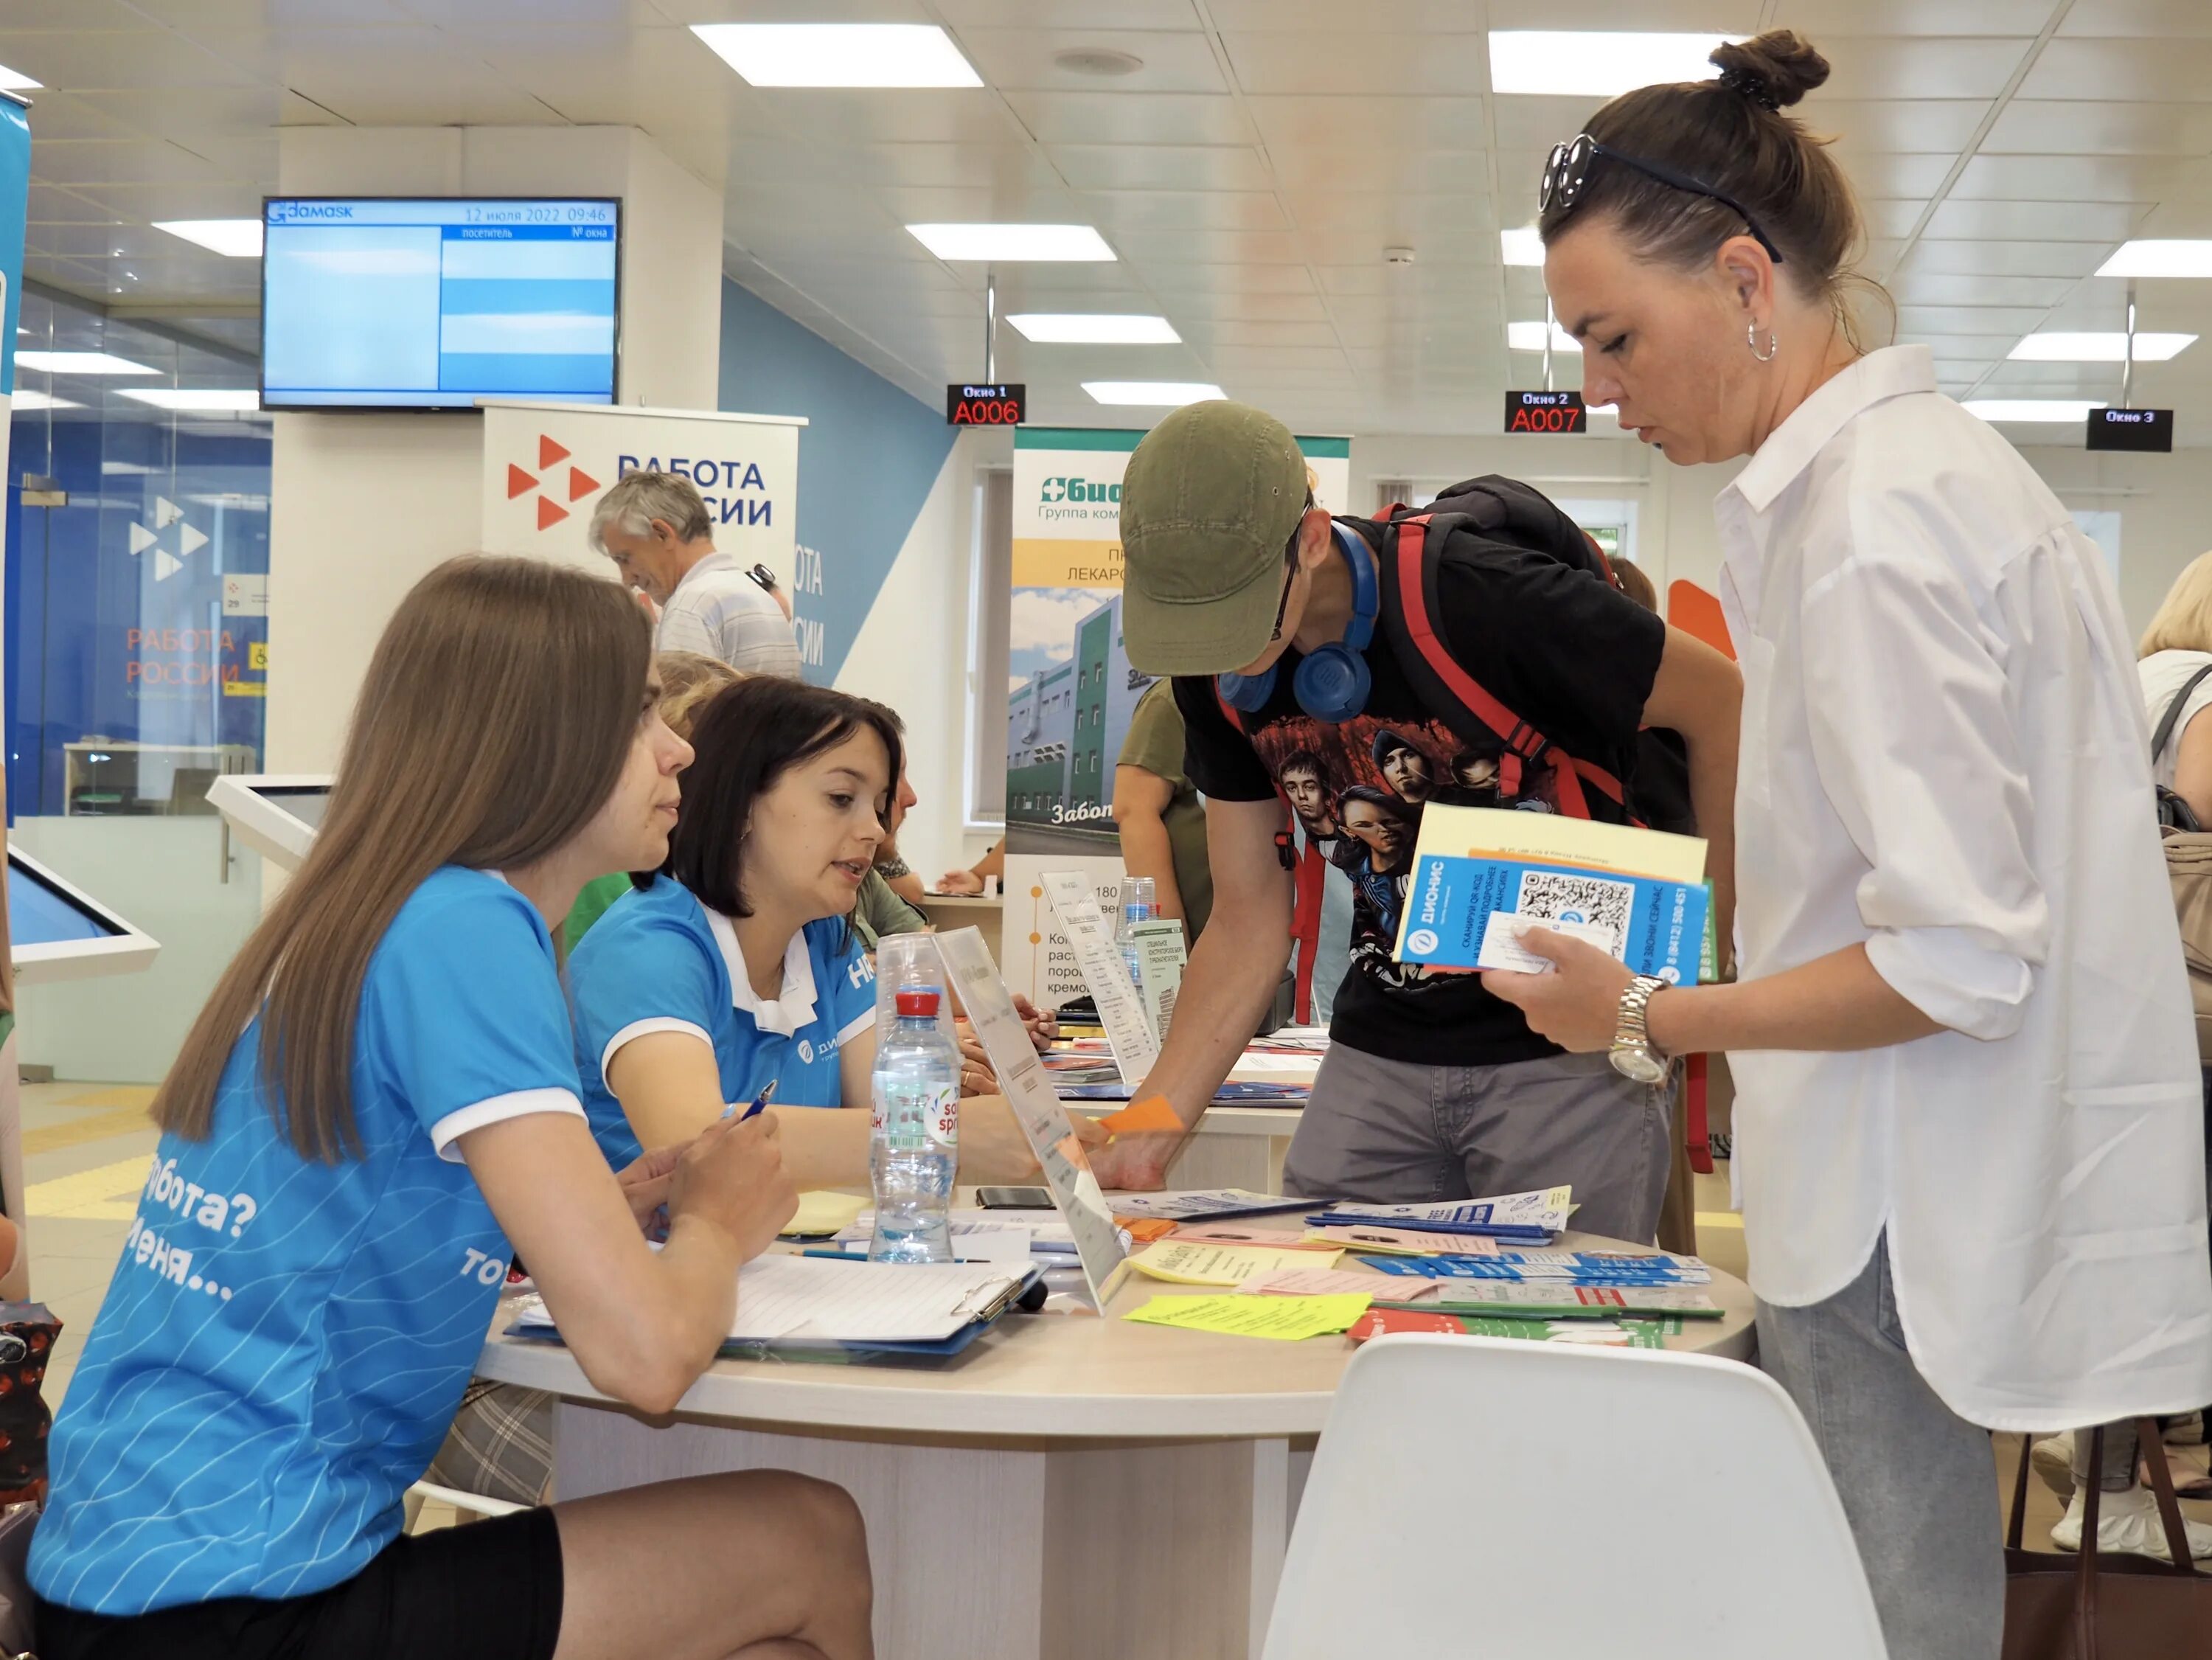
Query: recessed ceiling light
x,y
1085,329
239,239
17,81
25,399
840,54
80,362
2046,411
2158,257
1162,394
1522,246
1097,60
1595,62
1010,242
1529,336
2108,346
195,397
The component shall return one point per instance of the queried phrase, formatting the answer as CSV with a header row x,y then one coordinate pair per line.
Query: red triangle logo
x,y
548,451
518,481
550,511
581,482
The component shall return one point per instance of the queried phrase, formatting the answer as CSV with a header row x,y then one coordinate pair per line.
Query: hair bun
x,y
1775,69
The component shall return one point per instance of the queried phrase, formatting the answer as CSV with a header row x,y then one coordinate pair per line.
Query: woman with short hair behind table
x,y
1967,1117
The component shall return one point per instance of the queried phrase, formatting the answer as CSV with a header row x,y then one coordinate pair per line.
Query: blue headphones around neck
x,y
1332,681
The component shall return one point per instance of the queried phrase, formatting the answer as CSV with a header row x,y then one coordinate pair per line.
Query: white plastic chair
x,y
1484,1496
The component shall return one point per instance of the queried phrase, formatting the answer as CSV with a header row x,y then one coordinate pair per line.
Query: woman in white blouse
x,y
1967,1119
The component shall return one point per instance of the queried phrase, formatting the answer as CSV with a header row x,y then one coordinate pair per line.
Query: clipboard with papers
x,y
810,1307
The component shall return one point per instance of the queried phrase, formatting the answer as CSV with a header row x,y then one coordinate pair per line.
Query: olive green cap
x,y
1208,504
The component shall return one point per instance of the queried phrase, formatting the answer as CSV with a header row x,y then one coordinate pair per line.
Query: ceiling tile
x,y
1177,277
1903,126
1378,64
2158,70
1822,20
1350,126
1945,288
1065,14
1877,174
2032,258
1229,247
1146,210
1106,118
1022,58
1161,167
1914,68
2160,19
2031,126
1960,320
2058,222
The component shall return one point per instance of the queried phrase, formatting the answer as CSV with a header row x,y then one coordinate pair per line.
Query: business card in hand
x,y
1502,947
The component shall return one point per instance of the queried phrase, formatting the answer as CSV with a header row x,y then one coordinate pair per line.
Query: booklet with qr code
x,y
1480,875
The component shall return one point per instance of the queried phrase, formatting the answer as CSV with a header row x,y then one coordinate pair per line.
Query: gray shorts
x,y
1390,1133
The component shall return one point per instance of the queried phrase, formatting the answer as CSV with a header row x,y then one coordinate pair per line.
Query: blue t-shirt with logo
x,y
284,1342
660,961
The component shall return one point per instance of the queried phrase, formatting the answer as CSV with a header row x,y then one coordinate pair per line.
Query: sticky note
x,y
822,1212
1186,1263
1287,1319
1152,1113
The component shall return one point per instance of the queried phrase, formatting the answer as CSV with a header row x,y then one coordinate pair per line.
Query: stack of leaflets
x,y
1563,1267
1482,874
1528,1219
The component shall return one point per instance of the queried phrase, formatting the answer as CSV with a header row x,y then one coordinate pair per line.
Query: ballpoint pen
x,y
759,1102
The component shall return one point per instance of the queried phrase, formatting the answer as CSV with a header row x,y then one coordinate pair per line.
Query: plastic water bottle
x,y
1137,907
916,1145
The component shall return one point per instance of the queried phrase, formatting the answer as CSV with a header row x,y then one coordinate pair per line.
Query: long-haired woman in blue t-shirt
x,y
376,1111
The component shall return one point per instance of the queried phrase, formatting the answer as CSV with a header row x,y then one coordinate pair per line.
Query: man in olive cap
x,y
1433,1088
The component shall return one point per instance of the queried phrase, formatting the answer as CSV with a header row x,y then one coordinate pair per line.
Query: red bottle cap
x,y
917,1002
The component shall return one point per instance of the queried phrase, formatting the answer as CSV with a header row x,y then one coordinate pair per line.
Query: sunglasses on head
x,y
1567,170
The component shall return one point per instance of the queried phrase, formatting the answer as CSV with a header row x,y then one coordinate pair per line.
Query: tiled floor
x,y
85,1153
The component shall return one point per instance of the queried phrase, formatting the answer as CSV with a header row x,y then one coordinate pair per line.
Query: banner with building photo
x,y
1071,690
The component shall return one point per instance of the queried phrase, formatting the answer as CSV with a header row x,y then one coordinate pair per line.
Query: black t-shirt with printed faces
x,y
1557,645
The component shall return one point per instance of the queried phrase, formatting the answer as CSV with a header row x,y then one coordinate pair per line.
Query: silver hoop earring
x,y
1751,339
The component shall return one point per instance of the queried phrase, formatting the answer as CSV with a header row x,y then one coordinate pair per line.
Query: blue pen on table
x,y
760,1101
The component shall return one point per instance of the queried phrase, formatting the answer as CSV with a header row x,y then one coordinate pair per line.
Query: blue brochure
x,y
1481,875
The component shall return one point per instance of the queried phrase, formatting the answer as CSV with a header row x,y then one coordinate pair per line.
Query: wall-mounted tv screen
x,y
390,303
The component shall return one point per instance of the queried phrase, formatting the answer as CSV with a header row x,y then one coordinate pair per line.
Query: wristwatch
x,y
1632,1055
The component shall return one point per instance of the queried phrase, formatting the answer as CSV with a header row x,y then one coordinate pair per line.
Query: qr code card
x,y
1502,947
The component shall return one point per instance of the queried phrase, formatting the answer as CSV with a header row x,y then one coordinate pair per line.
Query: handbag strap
x,y
2172,713
2151,1442
2084,1572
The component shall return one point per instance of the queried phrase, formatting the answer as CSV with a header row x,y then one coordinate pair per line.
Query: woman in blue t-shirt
x,y
376,1111
735,965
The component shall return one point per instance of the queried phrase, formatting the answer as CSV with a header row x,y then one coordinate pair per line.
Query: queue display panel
x,y
276,814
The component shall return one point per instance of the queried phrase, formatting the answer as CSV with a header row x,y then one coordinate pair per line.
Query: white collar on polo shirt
x,y
794,1006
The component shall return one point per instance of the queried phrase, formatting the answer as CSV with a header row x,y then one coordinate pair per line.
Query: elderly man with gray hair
x,y
657,530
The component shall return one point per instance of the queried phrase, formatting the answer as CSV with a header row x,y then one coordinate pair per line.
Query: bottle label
x,y
941,1114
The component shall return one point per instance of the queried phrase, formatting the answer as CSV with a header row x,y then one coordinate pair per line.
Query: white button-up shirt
x,y
1945,760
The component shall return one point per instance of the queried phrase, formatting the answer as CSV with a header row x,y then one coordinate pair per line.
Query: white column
x,y
362,505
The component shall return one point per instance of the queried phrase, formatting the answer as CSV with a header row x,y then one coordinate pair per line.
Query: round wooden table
x,y
1070,1487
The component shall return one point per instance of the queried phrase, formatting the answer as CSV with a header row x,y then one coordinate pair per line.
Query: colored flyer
x,y
1481,875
